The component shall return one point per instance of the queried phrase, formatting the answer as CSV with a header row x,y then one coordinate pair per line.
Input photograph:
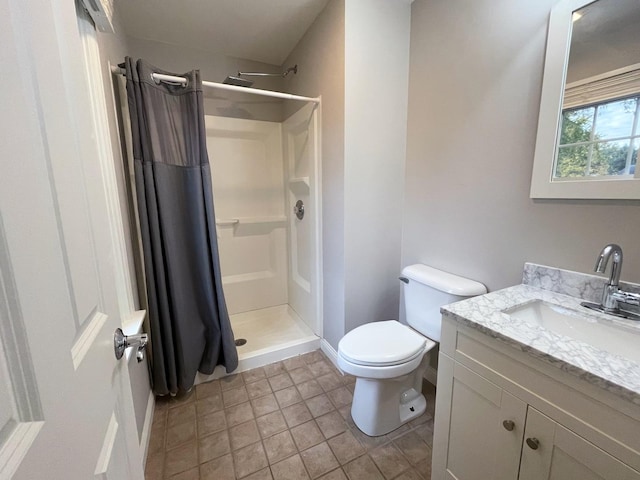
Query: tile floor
x,y
286,421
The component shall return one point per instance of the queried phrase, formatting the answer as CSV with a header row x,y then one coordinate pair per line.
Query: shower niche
x,y
269,257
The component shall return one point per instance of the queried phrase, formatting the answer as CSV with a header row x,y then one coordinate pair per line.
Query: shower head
x,y
237,81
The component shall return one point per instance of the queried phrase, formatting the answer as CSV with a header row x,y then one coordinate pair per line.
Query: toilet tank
x,y
426,289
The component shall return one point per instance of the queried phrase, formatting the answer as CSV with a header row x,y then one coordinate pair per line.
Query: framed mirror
x,y
589,125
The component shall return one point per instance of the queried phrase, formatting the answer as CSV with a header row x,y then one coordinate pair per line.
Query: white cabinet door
x,y
65,403
551,452
478,444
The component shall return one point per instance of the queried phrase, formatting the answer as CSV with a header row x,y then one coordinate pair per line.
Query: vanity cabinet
x,y
503,414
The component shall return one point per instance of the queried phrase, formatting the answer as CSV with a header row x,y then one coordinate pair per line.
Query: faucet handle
x,y
627,297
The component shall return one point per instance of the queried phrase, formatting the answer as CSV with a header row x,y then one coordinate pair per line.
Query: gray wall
x,y
474,91
320,59
215,68
376,82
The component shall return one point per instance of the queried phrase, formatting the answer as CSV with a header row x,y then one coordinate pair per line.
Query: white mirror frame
x,y
553,83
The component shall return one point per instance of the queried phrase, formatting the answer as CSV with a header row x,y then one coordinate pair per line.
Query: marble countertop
x,y
612,372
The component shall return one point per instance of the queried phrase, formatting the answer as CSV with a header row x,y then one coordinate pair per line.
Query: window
x,y
599,140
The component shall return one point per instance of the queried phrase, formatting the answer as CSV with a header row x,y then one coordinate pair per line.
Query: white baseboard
x,y
146,428
330,352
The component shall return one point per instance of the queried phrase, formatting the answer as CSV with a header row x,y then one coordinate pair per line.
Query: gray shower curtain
x,y
188,317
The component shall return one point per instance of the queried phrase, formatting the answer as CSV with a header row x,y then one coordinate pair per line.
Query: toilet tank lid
x,y
444,281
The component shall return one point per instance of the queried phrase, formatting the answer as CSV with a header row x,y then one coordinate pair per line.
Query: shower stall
x,y
267,200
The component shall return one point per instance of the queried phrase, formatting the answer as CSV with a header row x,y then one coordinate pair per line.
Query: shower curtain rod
x,y
223,86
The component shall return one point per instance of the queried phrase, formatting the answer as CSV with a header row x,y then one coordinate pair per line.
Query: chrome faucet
x,y
612,295
611,250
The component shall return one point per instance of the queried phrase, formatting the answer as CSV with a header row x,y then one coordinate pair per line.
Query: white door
x,y
65,403
301,148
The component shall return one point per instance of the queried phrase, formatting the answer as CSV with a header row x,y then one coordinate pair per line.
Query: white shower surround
x,y
270,260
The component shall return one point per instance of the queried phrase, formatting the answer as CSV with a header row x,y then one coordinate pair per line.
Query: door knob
x,y
299,209
122,341
533,443
509,425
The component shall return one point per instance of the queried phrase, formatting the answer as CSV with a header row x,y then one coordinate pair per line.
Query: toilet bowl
x,y
389,359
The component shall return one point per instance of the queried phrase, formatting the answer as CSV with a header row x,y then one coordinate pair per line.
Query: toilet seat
x,y
381,344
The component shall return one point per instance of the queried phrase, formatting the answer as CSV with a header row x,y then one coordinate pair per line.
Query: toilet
x,y
388,358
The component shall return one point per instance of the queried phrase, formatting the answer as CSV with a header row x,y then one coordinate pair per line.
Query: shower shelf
x,y
304,180
231,222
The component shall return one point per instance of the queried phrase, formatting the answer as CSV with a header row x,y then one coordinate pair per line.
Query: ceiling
x,y
261,30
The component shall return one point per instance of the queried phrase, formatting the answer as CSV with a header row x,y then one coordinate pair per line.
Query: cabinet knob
x,y
509,425
533,443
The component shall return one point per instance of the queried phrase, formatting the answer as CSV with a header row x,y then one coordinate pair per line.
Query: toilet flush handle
x,y
403,279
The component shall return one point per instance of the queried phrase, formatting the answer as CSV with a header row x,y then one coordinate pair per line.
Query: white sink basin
x,y
612,338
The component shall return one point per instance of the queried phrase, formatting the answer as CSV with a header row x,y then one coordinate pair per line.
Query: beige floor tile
x,y
345,447
425,431
331,424
340,397
296,414
306,408
214,446
259,388
337,474
274,369
279,446
288,396
264,474
212,423
234,396
290,469
280,381
182,399
154,467
249,459
293,363
180,434
309,389
218,469
313,357
244,434
319,405
210,404
367,441
231,381
181,459
271,424
410,474
329,381
192,474
207,389
320,368
300,375
307,435
424,467
319,460
412,447
239,414
254,375
265,404
181,414
389,460
362,468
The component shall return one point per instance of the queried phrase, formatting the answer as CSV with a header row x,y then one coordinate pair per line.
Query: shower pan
x,y
269,256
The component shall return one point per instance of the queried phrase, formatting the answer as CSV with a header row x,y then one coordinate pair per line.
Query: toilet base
x,y
381,406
